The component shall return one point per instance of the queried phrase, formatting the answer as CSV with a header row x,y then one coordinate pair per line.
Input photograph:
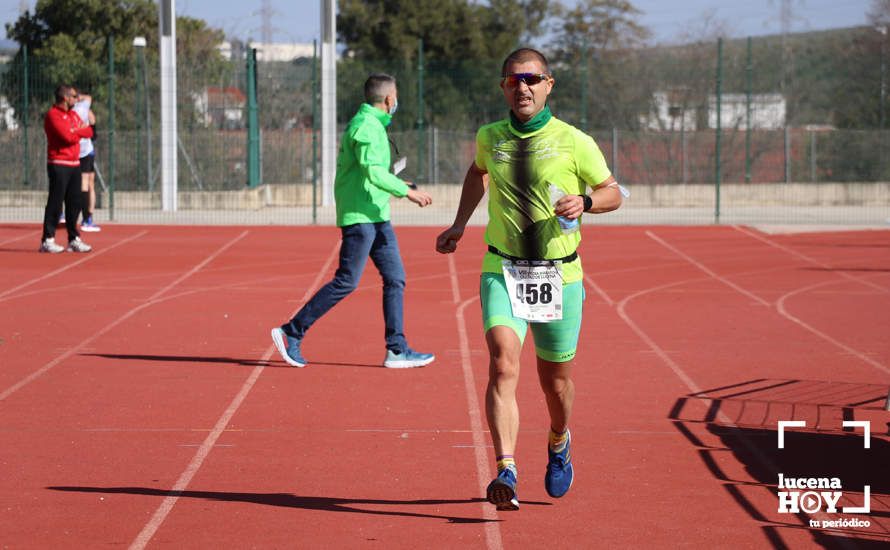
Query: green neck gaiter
x,y
535,123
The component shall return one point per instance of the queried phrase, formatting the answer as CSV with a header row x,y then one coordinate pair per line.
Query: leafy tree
x,y
598,25
603,38
464,44
67,42
450,29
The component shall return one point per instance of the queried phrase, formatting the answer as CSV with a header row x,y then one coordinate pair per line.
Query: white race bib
x,y
535,290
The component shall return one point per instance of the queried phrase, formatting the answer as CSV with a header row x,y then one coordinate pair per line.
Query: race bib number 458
x,y
535,291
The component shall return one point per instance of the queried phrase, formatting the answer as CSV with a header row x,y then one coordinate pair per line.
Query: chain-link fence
x,y
732,132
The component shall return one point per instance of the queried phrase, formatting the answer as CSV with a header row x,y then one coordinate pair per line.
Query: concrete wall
x,y
642,196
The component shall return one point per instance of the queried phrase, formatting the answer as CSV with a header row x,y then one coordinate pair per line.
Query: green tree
x,y
464,44
67,43
604,38
450,29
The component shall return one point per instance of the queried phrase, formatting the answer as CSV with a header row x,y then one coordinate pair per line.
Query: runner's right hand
x,y
446,242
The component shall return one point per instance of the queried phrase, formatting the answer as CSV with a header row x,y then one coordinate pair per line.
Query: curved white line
x,y
704,268
806,258
762,457
780,303
622,312
483,473
780,307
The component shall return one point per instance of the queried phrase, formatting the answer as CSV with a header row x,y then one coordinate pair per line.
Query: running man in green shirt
x,y
362,189
537,170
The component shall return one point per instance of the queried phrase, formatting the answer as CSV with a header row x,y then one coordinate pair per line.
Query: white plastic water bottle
x,y
566,225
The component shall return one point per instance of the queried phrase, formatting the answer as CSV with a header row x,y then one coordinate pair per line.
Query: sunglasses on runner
x,y
513,80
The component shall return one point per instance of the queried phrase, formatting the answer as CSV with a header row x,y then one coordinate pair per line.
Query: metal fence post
x,y
421,136
684,152
111,127
787,155
25,113
883,95
813,161
748,79
139,46
434,158
314,132
585,59
717,140
253,138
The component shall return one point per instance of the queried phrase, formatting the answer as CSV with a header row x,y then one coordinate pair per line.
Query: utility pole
x,y
266,13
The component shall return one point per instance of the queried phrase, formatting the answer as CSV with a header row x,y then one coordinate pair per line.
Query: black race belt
x,y
533,261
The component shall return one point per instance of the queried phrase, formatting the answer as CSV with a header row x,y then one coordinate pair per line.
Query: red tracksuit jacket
x,y
63,133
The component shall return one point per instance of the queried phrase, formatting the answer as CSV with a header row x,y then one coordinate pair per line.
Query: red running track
x,y
141,404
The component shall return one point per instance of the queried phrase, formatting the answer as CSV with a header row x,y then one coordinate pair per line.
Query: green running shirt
x,y
521,168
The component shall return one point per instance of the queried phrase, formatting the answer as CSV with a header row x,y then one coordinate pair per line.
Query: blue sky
x,y
298,20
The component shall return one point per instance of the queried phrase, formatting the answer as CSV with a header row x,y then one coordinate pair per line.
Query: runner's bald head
x,y
523,55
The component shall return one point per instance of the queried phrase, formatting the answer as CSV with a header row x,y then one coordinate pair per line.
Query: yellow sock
x,y
506,461
558,440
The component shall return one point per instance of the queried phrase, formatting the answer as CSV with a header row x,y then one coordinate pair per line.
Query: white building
x,y
268,52
222,108
670,111
7,115
280,52
767,111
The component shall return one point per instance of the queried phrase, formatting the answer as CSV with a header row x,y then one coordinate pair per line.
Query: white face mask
x,y
395,106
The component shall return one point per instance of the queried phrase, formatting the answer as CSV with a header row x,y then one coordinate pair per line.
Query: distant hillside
x,y
828,77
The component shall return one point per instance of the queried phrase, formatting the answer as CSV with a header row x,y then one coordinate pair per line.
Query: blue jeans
x,y
361,240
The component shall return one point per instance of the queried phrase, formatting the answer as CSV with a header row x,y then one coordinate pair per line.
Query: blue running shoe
x,y
502,491
288,347
559,470
407,359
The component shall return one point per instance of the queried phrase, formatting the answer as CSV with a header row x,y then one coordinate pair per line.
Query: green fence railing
x,y
683,118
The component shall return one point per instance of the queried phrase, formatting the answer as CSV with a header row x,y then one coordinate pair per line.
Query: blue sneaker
x,y
560,473
288,347
407,359
502,491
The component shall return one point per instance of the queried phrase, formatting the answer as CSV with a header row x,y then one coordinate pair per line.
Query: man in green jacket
x,y
362,189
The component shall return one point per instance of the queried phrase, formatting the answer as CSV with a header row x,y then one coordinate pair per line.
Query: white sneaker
x,y
408,359
78,245
49,245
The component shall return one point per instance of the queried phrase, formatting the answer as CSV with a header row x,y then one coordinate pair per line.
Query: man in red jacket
x,y
64,129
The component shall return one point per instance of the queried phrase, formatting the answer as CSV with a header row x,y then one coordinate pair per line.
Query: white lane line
x,y
661,353
483,473
150,528
86,342
808,259
780,306
602,293
704,268
86,258
20,237
759,455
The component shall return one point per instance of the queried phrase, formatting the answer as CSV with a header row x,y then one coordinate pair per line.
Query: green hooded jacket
x,y
364,183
